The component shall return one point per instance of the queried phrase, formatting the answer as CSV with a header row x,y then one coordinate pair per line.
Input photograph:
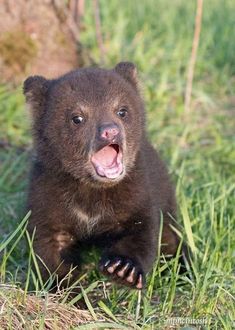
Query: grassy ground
x,y
199,150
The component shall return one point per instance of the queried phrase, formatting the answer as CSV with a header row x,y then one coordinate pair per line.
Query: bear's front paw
x,y
122,270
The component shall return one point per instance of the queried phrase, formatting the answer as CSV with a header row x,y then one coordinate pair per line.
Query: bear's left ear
x,y
128,71
35,89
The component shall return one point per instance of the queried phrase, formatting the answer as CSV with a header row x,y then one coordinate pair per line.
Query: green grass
x,y
199,150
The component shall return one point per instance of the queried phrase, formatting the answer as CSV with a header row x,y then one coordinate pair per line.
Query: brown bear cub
x,y
96,180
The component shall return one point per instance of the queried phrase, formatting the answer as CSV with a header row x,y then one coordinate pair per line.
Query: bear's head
x,y
88,123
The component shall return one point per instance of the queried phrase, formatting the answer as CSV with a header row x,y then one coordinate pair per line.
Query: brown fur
x,y
71,205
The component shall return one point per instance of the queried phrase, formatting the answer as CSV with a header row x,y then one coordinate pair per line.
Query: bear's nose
x,y
108,132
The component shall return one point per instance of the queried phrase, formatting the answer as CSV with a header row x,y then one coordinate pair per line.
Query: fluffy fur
x,y
72,205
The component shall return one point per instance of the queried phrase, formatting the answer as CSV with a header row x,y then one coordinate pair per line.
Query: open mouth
x,y
108,161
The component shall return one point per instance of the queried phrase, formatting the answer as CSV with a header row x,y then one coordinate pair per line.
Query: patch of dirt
x,y
30,312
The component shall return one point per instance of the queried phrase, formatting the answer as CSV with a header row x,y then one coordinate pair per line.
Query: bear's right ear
x,y
35,89
128,71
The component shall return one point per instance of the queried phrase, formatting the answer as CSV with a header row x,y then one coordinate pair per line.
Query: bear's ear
x,y
35,89
128,71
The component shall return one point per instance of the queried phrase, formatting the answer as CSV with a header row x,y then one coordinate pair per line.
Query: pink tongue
x,y
107,162
106,156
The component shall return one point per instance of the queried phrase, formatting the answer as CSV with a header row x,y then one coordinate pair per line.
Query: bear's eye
x,y
77,119
122,112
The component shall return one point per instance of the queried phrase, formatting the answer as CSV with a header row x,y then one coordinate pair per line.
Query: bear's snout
x,y
109,132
